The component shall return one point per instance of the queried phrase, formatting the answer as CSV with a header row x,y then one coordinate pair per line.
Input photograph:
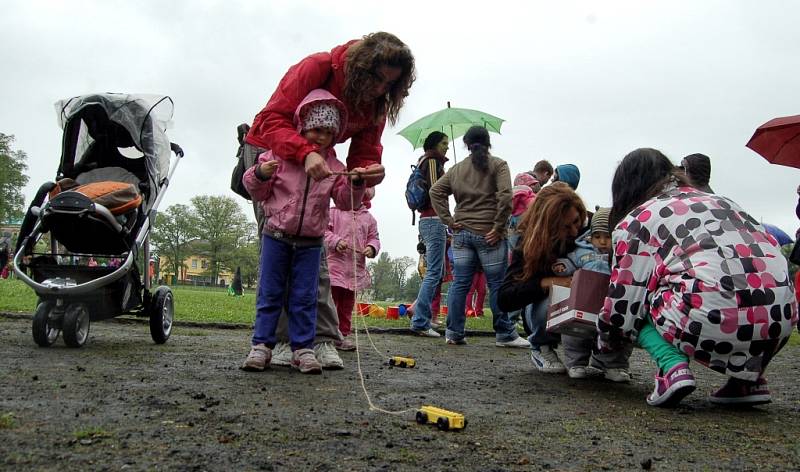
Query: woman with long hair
x,y
694,277
481,186
371,76
548,229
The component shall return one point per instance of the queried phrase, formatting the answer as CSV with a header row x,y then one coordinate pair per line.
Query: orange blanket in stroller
x,y
118,197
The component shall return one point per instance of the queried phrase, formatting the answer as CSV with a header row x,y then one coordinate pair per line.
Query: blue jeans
x,y
470,250
289,273
536,322
434,235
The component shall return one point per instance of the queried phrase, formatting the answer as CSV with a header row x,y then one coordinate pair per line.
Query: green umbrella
x,y
453,122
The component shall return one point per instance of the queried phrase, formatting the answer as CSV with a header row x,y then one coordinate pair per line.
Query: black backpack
x,y
238,170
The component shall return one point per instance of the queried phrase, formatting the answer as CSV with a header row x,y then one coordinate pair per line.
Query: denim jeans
x,y
470,250
513,239
434,235
289,274
536,322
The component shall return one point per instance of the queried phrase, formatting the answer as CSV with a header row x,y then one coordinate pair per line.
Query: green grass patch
x,y
92,432
7,421
207,305
15,296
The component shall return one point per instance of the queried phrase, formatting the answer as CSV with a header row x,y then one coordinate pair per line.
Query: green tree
x,y
389,276
245,256
12,180
173,230
411,287
221,226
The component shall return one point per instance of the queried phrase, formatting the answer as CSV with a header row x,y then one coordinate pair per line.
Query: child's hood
x,y
585,240
321,96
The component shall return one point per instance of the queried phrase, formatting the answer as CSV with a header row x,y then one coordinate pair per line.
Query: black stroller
x,y
115,168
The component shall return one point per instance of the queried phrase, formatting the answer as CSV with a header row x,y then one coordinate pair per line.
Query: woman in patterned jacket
x,y
694,277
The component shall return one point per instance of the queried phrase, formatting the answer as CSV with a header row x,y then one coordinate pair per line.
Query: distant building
x,y
196,269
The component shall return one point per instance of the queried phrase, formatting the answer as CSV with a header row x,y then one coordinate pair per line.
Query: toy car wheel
x,y
403,364
162,312
443,424
76,325
43,332
391,362
422,418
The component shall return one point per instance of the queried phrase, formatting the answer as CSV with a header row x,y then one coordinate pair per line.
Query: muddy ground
x,y
121,402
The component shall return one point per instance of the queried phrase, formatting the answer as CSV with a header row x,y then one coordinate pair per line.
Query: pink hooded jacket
x,y
522,197
295,205
340,264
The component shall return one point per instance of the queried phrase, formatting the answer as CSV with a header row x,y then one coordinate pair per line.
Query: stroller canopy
x,y
122,130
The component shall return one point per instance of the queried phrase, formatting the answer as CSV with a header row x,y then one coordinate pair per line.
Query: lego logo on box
x,y
574,311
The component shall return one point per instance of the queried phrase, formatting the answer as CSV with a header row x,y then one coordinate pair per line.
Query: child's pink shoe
x,y
306,362
345,344
672,386
258,359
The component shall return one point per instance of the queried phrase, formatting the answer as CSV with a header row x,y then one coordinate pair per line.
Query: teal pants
x,y
663,353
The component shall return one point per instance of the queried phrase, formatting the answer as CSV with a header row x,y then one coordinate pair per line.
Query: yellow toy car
x,y
398,361
445,420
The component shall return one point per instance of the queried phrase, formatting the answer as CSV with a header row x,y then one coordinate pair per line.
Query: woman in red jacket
x,y
371,76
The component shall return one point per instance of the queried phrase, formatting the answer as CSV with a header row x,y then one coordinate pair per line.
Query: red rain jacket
x,y
273,127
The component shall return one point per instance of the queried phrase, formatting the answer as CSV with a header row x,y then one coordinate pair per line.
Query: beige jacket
x,y
483,200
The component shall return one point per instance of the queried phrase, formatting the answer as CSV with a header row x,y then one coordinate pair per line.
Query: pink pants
x,y
344,300
477,293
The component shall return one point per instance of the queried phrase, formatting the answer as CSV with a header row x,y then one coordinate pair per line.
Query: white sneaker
x,y
577,372
282,355
327,356
618,375
428,333
516,342
546,360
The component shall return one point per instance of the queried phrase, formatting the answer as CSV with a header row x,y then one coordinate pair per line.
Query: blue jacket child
x,y
592,253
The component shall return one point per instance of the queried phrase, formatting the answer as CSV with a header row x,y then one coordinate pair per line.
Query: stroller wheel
x,y
44,333
162,312
76,325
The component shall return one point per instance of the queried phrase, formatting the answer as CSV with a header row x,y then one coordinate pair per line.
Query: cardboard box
x,y
575,311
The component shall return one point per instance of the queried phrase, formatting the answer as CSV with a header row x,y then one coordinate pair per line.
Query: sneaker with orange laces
x,y
306,362
258,359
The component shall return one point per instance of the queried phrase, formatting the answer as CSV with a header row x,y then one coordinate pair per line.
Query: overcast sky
x,y
577,82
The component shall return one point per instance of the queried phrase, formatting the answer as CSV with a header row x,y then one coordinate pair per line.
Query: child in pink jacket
x,y
296,209
340,245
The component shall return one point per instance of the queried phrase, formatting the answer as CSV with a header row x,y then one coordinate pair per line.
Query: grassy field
x,y
204,305
215,305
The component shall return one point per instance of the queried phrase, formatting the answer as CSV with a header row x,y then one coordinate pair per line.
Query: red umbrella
x,y
778,141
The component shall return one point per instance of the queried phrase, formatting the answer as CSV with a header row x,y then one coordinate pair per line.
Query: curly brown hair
x,y
541,226
363,60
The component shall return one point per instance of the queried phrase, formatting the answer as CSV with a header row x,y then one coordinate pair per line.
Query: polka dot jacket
x,y
713,280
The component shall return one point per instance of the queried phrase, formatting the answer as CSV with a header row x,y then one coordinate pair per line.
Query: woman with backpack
x,y
481,185
433,234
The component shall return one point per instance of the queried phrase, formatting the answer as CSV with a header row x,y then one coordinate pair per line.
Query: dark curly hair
x,y
363,60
